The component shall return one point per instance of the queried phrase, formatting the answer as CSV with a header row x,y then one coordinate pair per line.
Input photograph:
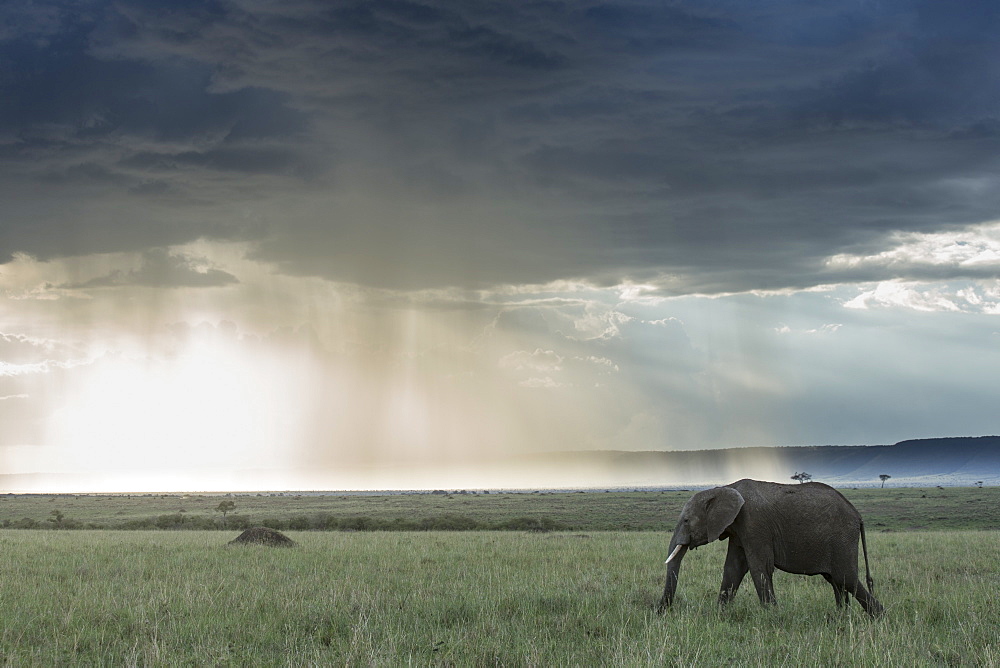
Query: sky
x,y
294,244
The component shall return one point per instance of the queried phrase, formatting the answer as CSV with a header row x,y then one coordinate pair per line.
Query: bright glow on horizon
x,y
207,408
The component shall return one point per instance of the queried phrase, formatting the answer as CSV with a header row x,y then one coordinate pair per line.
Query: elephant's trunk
x,y
677,553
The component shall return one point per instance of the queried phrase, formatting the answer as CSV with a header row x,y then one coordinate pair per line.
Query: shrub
x,y
325,521
172,521
449,523
356,524
530,524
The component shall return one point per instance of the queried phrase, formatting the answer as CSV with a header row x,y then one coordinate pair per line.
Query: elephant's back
x,y
800,513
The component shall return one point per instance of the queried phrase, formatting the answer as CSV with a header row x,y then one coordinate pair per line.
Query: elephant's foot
x,y
872,607
725,596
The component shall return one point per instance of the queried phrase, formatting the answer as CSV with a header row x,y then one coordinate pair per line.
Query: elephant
x,y
808,529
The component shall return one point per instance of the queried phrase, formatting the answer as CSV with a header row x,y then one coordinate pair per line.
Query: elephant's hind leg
x,y
870,604
838,591
851,584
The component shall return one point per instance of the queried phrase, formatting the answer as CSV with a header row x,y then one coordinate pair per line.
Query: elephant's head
x,y
704,518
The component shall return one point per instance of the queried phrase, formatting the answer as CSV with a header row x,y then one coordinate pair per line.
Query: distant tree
x,y
883,477
802,477
225,507
57,518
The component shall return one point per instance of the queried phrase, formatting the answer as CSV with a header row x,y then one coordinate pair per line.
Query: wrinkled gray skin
x,y
810,529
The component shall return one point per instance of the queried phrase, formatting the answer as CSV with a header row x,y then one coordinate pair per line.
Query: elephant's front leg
x,y
732,573
762,572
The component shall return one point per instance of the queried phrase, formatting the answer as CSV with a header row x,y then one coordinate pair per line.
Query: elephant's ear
x,y
721,509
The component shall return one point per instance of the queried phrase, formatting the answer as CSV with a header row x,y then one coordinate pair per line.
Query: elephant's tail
x,y
864,550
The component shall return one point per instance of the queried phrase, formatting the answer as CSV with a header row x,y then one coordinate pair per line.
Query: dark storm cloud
x,y
160,269
701,147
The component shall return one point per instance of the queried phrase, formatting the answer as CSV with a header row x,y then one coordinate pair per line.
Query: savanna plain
x,y
577,588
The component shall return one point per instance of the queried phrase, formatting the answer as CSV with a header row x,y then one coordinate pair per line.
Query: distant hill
x,y
937,461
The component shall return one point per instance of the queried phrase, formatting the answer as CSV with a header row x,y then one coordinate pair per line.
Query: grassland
x,y
890,509
164,598
580,596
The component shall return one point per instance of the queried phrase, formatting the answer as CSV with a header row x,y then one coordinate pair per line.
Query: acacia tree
x,y
802,477
883,477
224,507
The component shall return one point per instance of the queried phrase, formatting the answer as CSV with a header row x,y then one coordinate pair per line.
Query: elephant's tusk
x,y
673,554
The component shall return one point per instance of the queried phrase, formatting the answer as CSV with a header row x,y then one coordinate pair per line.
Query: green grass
x,y
891,509
473,599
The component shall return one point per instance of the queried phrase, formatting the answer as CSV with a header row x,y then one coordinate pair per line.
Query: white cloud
x,y
8,369
975,247
538,361
931,272
969,297
603,363
827,328
600,323
633,292
545,383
